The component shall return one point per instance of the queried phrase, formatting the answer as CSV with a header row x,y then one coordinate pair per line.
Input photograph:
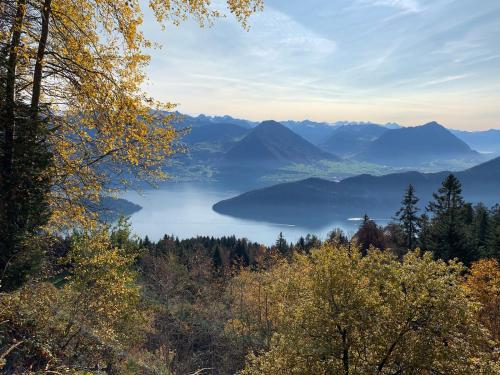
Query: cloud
x,y
409,6
278,33
447,79
337,59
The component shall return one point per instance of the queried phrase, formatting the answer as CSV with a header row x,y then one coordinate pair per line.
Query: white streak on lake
x,y
186,211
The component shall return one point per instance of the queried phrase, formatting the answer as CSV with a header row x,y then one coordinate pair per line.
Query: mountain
x,y
214,132
416,145
349,140
318,132
392,125
247,124
314,132
483,141
316,201
272,144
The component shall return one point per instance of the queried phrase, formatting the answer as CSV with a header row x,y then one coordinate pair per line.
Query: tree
x,y
448,231
24,206
395,239
493,247
338,312
480,229
408,219
483,283
337,236
281,244
94,320
71,75
369,234
424,239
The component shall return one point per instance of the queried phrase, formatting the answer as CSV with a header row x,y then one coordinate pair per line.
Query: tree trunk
x,y
8,212
9,117
37,75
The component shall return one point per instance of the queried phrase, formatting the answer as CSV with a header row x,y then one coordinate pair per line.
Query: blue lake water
x,y
186,211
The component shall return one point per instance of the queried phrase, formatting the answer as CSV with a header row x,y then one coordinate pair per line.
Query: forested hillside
x,y
294,202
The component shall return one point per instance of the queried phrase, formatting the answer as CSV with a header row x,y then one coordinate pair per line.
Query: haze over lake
x,y
185,210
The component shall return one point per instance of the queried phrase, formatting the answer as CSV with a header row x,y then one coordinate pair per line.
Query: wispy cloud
x,y
279,33
410,6
338,59
444,80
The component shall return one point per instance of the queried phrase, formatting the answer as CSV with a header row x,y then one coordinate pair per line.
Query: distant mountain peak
x,y
268,123
416,145
432,124
272,142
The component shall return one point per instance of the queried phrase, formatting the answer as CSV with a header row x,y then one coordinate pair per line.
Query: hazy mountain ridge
x,y
210,156
214,132
483,141
298,201
349,140
272,143
314,132
416,145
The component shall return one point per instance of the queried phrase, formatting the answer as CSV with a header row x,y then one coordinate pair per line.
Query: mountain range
x,y
224,149
272,144
314,201
314,132
487,141
349,140
216,132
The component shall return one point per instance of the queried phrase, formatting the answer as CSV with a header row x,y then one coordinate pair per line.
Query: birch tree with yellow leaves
x,y
71,72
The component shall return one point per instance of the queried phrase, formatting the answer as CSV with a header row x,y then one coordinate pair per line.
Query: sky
x,y
404,61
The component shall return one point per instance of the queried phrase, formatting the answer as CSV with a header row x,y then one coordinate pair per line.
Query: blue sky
x,y
405,61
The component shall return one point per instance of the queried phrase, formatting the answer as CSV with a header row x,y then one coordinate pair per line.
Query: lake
x,y
186,211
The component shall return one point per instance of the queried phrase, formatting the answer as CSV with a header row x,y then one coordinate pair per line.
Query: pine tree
x,y
424,238
216,257
448,234
480,230
281,244
493,241
408,219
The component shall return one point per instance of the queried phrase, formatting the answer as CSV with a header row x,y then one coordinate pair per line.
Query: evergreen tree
x,y
448,235
24,188
370,234
424,238
480,230
493,241
301,244
281,244
408,219
337,236
216,257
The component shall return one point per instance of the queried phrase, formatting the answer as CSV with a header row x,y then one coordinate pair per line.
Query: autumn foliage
x,y
483,284
337,312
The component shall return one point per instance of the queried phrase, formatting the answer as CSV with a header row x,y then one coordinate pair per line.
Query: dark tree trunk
x,y
9,117
37,75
